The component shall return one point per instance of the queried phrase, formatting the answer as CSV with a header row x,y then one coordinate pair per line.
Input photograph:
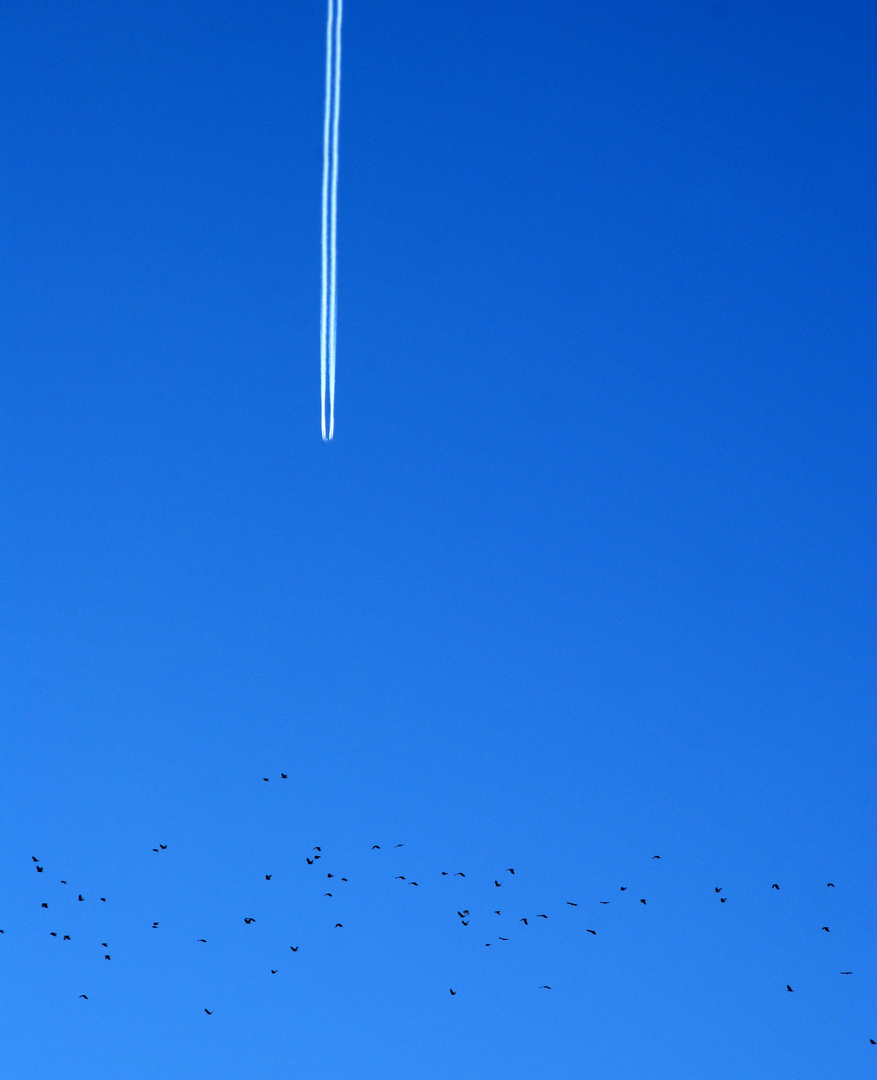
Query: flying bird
x,y
791,991
509,870
524,921
459,874
412,883
274,971
35,859
453,993
605,901
107,956
775,886
400,877
830,885
294,948
283,776
503,939
265,778
163,847
45,905
642,901
825,928
80,896
465,923
203,940
39,869
268,877
376,847
846,973
155,926
52,933
722,899
718,889
592,931
337,925
656,856
209,1013
66,937
317,847
544,987
310,861
248,921
84,996
330,875
497,913
624,888
497,883
572,903
327,894
541,916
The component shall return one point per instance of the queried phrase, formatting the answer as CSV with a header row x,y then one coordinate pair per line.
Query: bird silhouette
x,y
871,1041
624,888
294,948
163,847
310,860
592,931
265,778
465,923
248,921
497,883
327,894
503,939
524,921
338,925
400,877
107,956
274,971
283,776
80,897
84,996
203,940
791,991
656,856
544,987
642,901
45,905
66,937
572,903
413,883
541,916
830,885
775,886
35,859
459,874
52,933
605,901
39,869
155,926
722,899
268,877
317,847
718,889
400,845
825,928
453,993
330,875
209,1013
376,847
846,973
497,913
509,870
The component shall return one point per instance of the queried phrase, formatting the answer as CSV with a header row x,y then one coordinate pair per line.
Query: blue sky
x,y
583,578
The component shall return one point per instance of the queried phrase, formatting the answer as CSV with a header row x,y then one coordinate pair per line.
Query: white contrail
x,y
328,306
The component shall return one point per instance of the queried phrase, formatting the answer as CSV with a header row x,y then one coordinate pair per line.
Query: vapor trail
x,y
328,307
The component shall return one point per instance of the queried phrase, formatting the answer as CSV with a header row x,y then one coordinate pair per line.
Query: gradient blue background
x,y
584,577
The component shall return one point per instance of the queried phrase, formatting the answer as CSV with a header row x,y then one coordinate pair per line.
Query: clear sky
x,y
583,578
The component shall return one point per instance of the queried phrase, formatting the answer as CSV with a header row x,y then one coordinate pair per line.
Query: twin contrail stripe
x,y
328,301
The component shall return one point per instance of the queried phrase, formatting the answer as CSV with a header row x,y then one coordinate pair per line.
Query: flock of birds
x,y
332,880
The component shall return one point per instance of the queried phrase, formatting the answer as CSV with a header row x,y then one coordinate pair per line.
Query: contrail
x,y
328,305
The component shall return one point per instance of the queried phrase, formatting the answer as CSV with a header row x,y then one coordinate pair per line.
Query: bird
x,y
265,778
656,856
209,1013
344,879
524,921
45,905
503,939
104,944
462,913
107,956
310,861
274,971
591,931
413,883
459,874
376,847
268,877
871,1041
509,870
203,940
830,885
163,847
825,928
155,926
400,877
541,916
66,937
338,925
84,996
80,896
248,921
327,894
846,973
63,882
775,886
642,901
453,993
155,849
791,991
497,913
486,944
294,948
283,776
39,869
317,847
605,901
497,883
718,889
400,845
444,873
465,923
103,899
52,933
722,899
35,859
544,987
624,888
572,903
330,875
